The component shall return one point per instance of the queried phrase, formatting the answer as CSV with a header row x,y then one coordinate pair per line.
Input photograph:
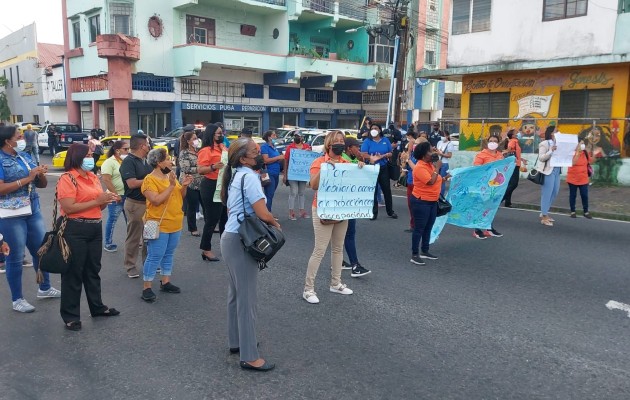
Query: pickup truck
x,y
67,134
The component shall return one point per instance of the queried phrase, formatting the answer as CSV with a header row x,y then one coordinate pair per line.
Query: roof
x,y
49,54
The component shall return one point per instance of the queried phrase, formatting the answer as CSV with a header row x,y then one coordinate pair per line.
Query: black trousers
x,y
211,212
383,182
512,185
86,244
193,199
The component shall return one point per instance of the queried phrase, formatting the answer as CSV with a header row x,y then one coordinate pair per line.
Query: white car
x,y
318,143
455,141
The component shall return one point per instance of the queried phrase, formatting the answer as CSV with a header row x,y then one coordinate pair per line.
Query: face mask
x,y
493,145
260,163
273,141
374,133
297,140
444,139
338,148
435,157
219,139
123,156
197,143
519,136
87,164
582,147
21,145
166,170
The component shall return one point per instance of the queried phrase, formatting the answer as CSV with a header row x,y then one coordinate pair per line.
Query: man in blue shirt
x,y
377,145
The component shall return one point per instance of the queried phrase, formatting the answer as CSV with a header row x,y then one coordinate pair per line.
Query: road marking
x,y
615,305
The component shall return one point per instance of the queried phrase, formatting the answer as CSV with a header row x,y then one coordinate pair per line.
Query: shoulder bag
x,y
54,253
260,240
19,206
151,228
443,206
535,175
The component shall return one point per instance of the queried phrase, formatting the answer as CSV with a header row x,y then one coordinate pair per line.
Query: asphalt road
x,y
519,317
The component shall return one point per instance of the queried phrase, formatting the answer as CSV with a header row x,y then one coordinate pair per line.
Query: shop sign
x,y
348,112
222,107
296,110
29,90
319,111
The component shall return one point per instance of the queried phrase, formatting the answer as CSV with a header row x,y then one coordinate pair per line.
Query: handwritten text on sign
x,y
300,165
346,191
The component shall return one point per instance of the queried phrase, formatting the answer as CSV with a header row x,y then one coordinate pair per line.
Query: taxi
x,y
60,158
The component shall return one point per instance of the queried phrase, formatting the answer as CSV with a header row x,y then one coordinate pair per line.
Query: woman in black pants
x,y
189,143
208,164
377,145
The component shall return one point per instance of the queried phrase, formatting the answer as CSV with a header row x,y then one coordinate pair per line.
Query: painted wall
x,y
518,33
622,34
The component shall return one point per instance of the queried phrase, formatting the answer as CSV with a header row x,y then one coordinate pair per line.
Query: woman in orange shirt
x,y
81,199
427,184
577,178
486,156
208,164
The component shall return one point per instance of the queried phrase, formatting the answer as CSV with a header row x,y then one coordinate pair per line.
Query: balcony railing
x,y
353,9
152,83
89,84
375,97
274,2
213,91
326,6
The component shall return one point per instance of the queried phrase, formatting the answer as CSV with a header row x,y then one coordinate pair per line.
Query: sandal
x,y
110,312
195,233
546,222
73,326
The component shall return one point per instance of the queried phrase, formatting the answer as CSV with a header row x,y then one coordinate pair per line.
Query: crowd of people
x,y
228,180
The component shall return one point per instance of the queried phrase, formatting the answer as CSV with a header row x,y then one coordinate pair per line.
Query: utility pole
x,y
401,69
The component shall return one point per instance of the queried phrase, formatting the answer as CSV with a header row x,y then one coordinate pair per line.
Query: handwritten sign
x,y
346,191
217,192
300,165
566,144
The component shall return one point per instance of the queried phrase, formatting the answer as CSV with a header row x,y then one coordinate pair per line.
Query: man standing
x,y
435,135
30,137
52,139
133,170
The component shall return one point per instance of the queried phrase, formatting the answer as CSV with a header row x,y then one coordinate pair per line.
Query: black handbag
x,y
260,240
54,253
393,170
402,181
443,206
535,175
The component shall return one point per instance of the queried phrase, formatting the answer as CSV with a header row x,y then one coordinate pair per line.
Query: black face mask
x,y
435,157
338,148
166,170
297,140
260,163
219,139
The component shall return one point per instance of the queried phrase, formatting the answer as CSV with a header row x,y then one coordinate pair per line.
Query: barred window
x,y
561,9
588,103
489,105
121,17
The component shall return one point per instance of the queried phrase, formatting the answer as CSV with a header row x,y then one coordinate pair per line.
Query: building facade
x,y
140,64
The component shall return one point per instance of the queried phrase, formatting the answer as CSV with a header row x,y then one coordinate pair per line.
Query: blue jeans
x,y
350,243
549,191
379,194
443,170
160,253
113,212
424,214
21,232
270,189
573,196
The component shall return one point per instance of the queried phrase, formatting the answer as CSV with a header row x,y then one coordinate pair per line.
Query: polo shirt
x,y
383,146
210,155
171,208
134,167
578,173
274,167
423,173
485,156
316,167
253,193
111,166
88,188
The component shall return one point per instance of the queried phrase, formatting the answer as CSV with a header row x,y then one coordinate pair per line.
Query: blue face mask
x,y
87,164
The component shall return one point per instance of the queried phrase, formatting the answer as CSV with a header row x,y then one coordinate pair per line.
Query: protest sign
x,y
300,165
346,191
475,194
217,192
566,145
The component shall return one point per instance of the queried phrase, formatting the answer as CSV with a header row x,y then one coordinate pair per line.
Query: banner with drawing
x,y
533,105
475,194
217,192
346,191
300,165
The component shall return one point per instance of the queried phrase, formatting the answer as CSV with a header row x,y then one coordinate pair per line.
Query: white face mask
x,y
197,143
582,147
123,156
493,145
444,139
374,133
21,145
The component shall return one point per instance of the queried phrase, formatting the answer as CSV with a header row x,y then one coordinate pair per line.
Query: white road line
x,y
615,305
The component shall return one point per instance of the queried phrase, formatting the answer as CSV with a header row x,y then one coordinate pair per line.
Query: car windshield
x,y
174,133
68,128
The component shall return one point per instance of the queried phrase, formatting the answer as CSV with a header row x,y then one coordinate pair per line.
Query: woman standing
x,y
296,187
489,154
189,143
426,192
578,178
81,199
19,177
445,151
274,161
377,145
110,172
551,186
243,269
513,149
208,164
165,198
333,233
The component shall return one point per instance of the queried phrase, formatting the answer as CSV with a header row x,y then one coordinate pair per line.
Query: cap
x,y
352,142
189,128
140,132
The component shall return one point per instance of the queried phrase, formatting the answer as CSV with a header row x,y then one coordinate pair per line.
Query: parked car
x,y
455,141
69,133
21,126
308,135
169,139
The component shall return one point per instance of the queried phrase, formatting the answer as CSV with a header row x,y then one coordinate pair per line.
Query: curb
x,y
561,210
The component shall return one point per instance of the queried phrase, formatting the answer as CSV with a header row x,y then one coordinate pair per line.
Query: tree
x,y
5,111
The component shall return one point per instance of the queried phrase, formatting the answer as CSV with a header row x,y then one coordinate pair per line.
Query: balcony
x,y
257,6
354,9
375,97
213,91
325,6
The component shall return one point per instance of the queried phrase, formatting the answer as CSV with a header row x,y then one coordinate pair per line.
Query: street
x,y
523,316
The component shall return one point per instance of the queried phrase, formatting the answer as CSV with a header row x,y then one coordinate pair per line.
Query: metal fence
x,y
213,91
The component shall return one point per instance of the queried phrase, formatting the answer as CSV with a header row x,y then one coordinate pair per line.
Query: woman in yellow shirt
x,y
165,197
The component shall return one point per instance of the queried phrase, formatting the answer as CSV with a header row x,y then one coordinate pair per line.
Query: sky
x,y
45,13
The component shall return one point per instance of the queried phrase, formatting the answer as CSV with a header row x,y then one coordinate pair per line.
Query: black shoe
x,y
508,205
393,215
234,350
148,295
345,265
206,258
479,234
415,259
263,368
73,326
409,230
428,256
358,270
110,312
168,287
374,217
495,233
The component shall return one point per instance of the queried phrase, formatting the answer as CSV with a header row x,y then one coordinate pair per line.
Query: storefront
x,y
284,116
319,118
348,119
234,116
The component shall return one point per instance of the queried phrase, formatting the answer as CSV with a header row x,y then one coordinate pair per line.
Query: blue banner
x,y
300,165
346,191
475,194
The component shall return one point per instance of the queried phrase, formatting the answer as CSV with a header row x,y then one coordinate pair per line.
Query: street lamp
x,y
352,30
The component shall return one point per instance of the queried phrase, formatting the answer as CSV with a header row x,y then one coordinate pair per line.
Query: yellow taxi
x,y
60,158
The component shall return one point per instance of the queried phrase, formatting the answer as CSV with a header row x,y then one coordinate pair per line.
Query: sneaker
x,y
415,259
48,294
341,289
493,232
27,263
310,296
573,215
588,215
111,248
427,255
199,215
478,233
148,295
292,216
21,305
358,271
168,287
133,273
345,265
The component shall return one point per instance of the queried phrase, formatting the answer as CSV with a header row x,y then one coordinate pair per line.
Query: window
x,y
624,6
95,27
11,76
17,73
594,103
320,45
471,16
36,119
76,34
489,105
429,57
19,118
430,48
120,15
560,9
381,50
200,30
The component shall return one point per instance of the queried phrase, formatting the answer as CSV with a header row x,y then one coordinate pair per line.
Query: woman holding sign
x,y
551,185
296,187
326,231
